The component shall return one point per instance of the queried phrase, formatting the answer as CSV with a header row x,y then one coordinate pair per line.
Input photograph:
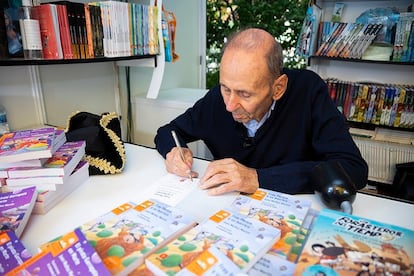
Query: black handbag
x,y
105,150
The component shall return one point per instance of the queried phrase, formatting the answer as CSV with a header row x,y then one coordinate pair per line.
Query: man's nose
x,y
232,102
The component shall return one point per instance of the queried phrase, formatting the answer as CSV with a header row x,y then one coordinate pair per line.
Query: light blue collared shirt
x,y
253,125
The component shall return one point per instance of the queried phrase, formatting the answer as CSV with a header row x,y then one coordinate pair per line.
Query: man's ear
x,y
280,86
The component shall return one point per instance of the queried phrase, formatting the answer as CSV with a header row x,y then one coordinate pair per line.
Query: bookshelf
x,y
35,77
380,155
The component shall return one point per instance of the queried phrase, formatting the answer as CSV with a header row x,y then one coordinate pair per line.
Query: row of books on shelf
x,y
42,158
71,30
351,40
249,237
378,104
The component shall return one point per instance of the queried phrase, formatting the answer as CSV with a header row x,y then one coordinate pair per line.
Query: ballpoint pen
x,y
180,149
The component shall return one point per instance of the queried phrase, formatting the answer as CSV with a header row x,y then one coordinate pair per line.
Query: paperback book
x,y
226,237
16,208
47,199
27,144
124,236
282,211
70,254
12,252
271,264
62,162
344,244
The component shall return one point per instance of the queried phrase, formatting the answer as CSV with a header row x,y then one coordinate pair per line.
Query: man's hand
x,y
228,175
176,165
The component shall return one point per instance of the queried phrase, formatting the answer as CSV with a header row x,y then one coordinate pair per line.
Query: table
x,y
101,193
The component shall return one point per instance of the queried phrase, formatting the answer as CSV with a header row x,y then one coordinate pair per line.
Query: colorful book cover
x,y
16,208
241,239
70,254
344,244
12,252
62,162
128,233
282,211
26,144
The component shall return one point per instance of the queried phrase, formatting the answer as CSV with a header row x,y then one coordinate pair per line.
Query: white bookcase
x,y
380,155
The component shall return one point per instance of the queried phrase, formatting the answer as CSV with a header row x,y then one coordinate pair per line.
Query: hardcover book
x,y
16,208
70,254
62,162
282,211
240,239
12,252
26,144
344,244
124,236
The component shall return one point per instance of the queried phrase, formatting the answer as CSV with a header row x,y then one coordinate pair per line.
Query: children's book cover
x,y
344,244
16,208
12,252
282,211
69,254
241,239
26,144
124,236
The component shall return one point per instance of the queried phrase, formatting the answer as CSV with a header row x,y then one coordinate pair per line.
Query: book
x,y
62,162
16,208
282,211
47,15
69,254
127,234
58,141
271,264
3,35
27,144
64,29
47,199
344,244
13,32
237,238
13,252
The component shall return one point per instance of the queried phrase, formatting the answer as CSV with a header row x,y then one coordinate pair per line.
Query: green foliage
x,y
282,18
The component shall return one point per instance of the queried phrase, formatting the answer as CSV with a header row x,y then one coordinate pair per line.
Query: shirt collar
x,y
253,125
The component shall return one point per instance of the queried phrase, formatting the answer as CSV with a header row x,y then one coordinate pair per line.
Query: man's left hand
x,y
228,175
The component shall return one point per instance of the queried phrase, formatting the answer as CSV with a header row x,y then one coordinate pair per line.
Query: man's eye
x,y
245,95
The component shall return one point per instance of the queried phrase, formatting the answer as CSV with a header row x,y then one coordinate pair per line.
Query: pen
x,y
177,143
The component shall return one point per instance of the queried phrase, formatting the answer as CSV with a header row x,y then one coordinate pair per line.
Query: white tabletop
x,y
100,194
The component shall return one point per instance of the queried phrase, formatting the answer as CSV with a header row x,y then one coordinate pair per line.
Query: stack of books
x,y
42,158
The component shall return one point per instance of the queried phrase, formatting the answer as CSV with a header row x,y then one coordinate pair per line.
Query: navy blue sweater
x,y
304,129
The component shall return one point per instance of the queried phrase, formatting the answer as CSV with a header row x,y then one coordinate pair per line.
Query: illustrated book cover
x,y
26,144
124,236
69,254
237,238
16,208
12,252
62,162
344,244
283,211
